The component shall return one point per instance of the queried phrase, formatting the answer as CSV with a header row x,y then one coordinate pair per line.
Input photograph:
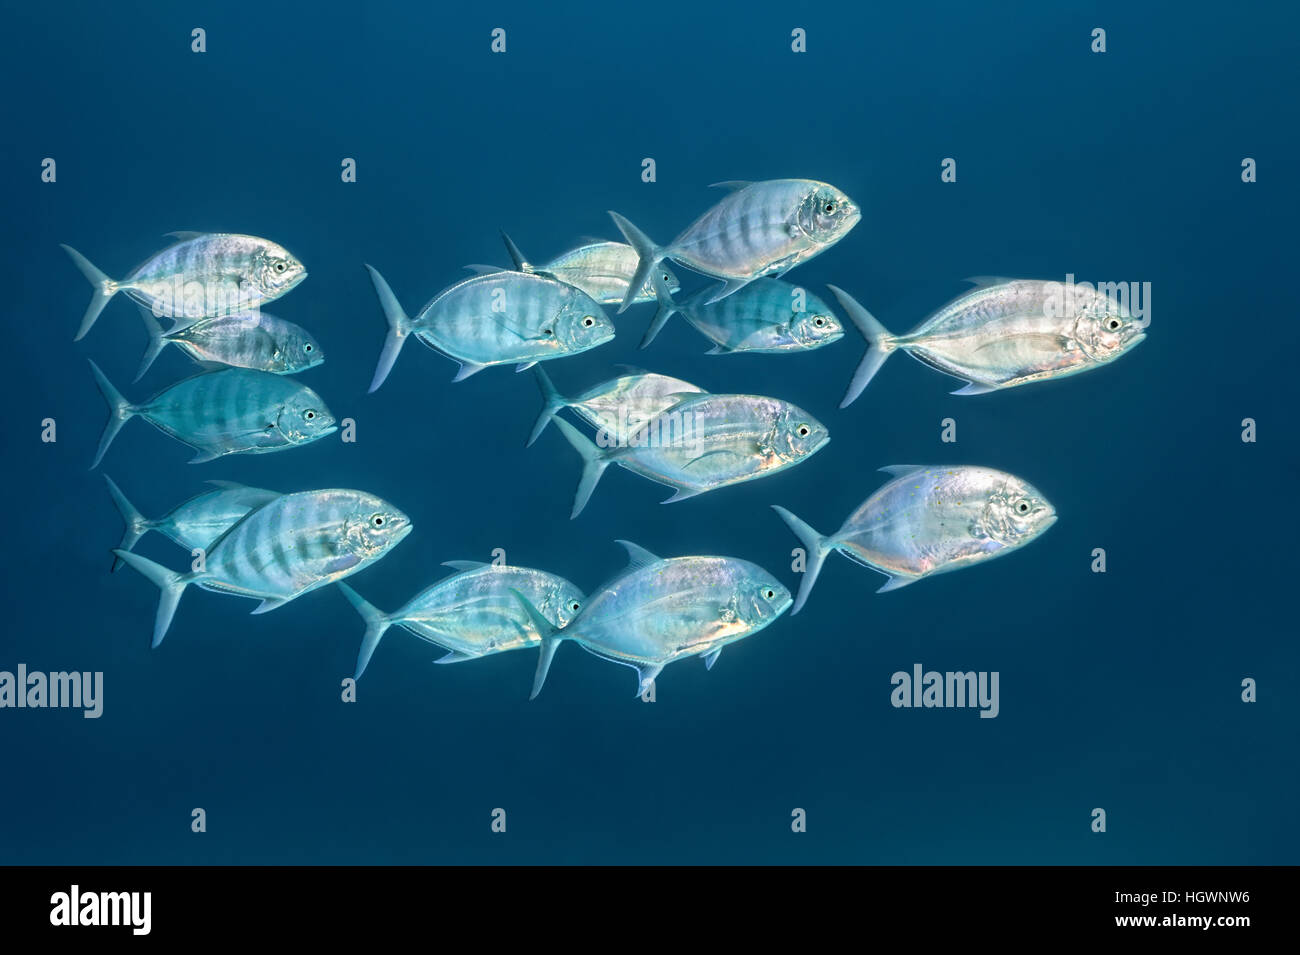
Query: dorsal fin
x,y
731,185
463,565
521,264
185,236
903,470
637,556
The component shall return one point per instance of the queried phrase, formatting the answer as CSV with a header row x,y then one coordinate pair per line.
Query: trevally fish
x,y
495,319
1004,334
618,404
701,443
198,522
200,276
767,315
760,228
658,611
232,411
284,549
601,269
927,521
253,340
472,613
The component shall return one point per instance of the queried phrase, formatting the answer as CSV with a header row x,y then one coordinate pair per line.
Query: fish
x,y
658,611
702,443
495,319
601,269
767,315
201,275
758,229
196,523
472,613
293,545
630,398
232,411
1001,335
928,521
252,340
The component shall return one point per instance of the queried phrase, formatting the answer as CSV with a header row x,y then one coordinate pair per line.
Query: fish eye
x,y
769,593
377,520
280,266
830,208
804,431
588,321
1113,324
666,278
573,606
1023,507
309,414
547,331
819,321
308,346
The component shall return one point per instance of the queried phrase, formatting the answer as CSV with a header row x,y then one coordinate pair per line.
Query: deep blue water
x,y
1120,691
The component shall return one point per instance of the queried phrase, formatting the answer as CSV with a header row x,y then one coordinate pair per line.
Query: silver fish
x,y
198,522
1003,335
659,611
601,269
495,319
927,521
472,613
284,549
200,276
253,340
232,411
760,228
701,443
767,315
634,397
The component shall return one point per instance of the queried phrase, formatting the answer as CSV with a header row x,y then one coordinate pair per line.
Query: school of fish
x,y
274,547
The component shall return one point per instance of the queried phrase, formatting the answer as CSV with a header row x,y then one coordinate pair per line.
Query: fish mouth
x,y
1048,523
325,432
820,444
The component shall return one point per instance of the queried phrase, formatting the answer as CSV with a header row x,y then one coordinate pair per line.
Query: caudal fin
x,y
816,546
667,308
156,341
377,622
880,344
105,288
120,411
552,402
137,525
594,462
551,636
399,326
169,582
649,256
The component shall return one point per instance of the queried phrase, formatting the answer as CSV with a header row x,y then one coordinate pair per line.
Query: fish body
x,y
757,229
232,411
702,443
659,611
604,271
928,521
201,275
286,548
767,316
474,612
196,523
253,340
499,318
1004,335
616,405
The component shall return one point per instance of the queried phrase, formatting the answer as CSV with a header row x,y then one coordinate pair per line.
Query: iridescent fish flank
x,y
252,340
295,544
602,269
659,611
758,229
202,275
472,613
766,316
1004,334
927,521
